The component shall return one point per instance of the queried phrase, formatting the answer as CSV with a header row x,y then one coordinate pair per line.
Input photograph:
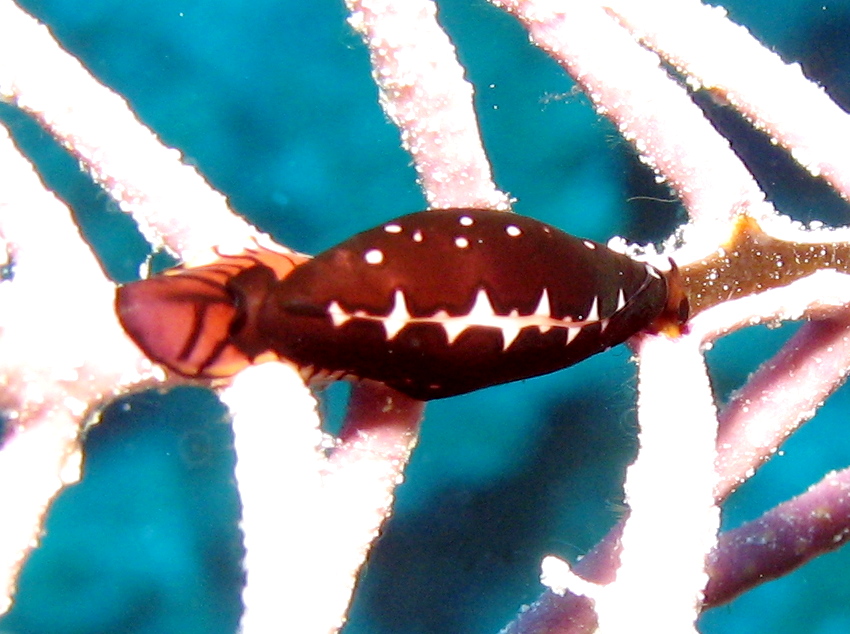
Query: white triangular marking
x,y
482,310
452,325
398,318
621,301
481,315
544,309
510,329
593,315
338,315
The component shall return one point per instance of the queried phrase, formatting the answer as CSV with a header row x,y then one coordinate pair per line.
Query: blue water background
x,y
273,101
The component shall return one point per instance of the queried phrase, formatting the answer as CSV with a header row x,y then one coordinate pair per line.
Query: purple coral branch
x,y
784,538
783,394
780,396
789,388
781,540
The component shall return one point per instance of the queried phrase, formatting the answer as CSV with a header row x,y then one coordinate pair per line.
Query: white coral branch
x,y
804,120
662,568
327,510
172,204
628,85
61,352
423,91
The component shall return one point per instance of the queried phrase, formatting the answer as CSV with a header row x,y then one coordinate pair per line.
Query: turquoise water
x,y
274,103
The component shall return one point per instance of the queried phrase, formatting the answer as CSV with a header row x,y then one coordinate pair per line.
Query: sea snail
x,y
433,304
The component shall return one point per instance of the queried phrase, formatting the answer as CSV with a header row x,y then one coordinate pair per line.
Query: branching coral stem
x,y
627,84
805,121
782,539
172,204
423,91
784,393
661,575
54,372
327,510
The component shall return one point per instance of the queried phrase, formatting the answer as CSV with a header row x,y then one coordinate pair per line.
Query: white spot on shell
x,y
392,228
466,221
417,236
589,244
374,256
513,231
461,242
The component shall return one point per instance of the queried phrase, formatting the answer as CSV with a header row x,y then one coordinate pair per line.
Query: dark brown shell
x,y
433,304
440,303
